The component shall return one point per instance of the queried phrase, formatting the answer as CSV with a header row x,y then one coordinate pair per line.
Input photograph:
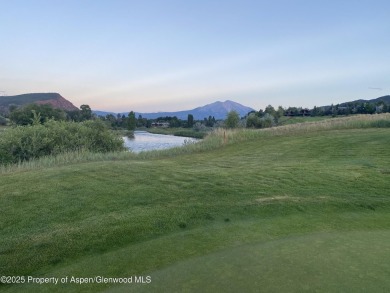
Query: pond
x,y
145,141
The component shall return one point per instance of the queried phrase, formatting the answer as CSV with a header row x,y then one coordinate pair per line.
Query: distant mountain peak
x,y
217,109
225,107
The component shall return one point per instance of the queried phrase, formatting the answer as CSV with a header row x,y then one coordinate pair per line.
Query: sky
x,y
150,56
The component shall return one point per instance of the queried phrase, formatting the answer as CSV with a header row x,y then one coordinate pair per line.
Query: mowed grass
x,y
307,211
325,262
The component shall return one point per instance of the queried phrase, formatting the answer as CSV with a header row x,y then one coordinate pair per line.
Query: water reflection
x,y
145,141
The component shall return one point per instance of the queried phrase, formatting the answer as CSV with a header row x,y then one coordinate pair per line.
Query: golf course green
x,y
298,208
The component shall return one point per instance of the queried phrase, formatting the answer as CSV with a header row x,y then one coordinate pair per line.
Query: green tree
x,y
260,113
270,110
232,119
131,121
267,121
36,120
252,121
314,112
74,115
141,122
385,108
86,112
30,113
280,112
12,107
3,121
370,108
190,120
292,111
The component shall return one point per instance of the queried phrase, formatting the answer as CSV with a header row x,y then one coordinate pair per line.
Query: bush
x,y
267,121
199,127
23,143
253,121
232,119
3,121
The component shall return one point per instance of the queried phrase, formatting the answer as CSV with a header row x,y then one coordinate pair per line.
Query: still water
x,y
145,141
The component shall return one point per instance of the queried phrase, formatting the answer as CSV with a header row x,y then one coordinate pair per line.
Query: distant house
x,y
160,124
304,112
297,112
379,109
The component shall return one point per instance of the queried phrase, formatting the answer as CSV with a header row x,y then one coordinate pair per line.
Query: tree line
x,y
268,117
25,115
271,117
121,121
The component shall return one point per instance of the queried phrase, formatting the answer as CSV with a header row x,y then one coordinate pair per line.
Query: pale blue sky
x,y
175,55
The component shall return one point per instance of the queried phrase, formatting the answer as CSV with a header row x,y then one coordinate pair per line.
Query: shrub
x,y
267,121
199,126
3,121
232,119
254,121
23,143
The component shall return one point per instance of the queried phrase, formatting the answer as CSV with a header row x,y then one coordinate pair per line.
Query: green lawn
x,y
300,212
356,261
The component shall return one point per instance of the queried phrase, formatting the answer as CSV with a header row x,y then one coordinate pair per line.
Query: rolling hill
x,y
385,99
54,99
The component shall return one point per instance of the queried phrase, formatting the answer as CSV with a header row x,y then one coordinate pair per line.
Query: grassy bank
x,y
215,140
300,119
188,132
2,128
296,208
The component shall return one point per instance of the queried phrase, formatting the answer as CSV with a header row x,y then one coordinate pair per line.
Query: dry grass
x,y
352,122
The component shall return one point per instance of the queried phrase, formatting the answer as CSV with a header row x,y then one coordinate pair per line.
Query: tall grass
x,y
188,132
80,156
351,122
216,139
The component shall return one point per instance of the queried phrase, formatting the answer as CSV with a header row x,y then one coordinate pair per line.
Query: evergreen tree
x,y
131,121
190,120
